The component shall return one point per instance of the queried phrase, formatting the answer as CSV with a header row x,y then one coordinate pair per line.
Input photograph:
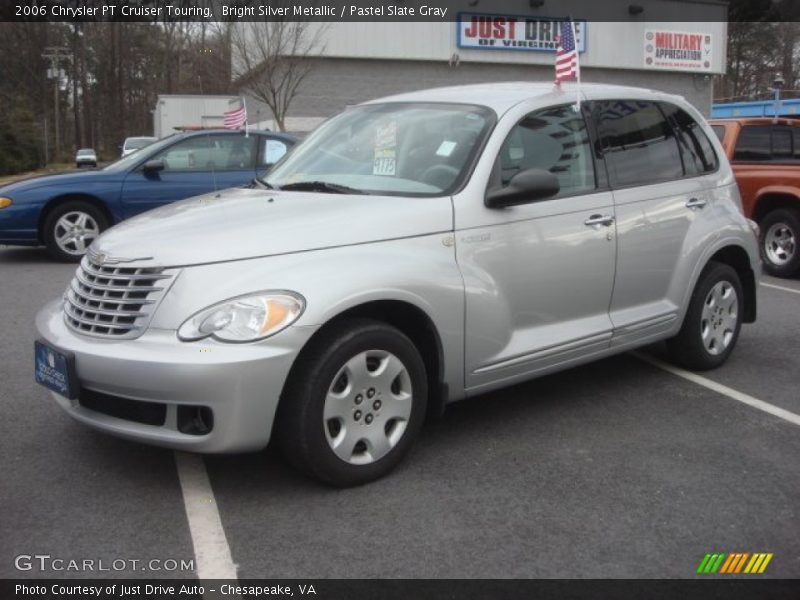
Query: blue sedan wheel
x,y
71,228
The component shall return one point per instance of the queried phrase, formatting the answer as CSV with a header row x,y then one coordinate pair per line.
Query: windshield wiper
x,y
321,186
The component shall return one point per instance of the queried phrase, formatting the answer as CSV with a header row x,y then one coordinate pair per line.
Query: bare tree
x,y
271,60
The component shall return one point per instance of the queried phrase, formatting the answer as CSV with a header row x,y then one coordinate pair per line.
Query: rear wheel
x,y
712,322
70,228
354,406
779,238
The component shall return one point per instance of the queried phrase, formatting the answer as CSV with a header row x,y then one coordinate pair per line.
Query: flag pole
x,y
577,65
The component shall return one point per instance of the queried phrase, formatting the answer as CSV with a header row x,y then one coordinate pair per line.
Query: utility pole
x,y
55,54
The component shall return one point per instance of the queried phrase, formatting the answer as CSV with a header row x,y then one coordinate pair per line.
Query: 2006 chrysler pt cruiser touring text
x,y
411,252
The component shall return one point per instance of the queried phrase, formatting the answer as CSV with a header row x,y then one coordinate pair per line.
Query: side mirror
x,y
525,187
153,166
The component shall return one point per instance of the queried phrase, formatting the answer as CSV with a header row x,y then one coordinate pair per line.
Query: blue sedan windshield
x,y
123,164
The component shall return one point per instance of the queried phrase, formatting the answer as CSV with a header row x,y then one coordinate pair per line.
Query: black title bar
x,y
377,10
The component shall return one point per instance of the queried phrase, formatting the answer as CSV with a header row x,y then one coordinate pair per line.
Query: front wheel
x,y
70,228
354,404
779,238
713,320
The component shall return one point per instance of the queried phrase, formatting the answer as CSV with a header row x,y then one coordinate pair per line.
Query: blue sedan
x,y
67,212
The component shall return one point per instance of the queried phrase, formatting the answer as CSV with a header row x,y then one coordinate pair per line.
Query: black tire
x,y
51,224
781,261
688,348
301,429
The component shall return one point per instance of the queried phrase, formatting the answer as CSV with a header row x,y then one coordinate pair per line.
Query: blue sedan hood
x,y
59,179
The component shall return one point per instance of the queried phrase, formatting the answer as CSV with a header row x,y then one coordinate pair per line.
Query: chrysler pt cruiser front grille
x,y
112,301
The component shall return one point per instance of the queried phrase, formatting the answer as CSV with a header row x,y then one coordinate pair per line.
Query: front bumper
x,y
240,383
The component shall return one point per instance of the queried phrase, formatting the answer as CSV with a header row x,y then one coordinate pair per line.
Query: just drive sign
x,y
510,32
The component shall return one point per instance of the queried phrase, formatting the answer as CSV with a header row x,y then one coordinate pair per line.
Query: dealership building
x,y
356,61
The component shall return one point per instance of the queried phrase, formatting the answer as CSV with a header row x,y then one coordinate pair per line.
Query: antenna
x,y
213,163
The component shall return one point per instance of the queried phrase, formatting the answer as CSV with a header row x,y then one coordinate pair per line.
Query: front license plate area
x,y
55,370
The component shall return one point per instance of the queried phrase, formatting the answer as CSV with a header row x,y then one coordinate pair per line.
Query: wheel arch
x,y
737,258
62,199
774,199
411,320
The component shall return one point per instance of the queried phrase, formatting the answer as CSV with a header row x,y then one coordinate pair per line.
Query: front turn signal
x,y
5,202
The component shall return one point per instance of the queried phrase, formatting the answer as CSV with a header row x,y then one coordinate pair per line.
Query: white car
x,y
132,144
86,157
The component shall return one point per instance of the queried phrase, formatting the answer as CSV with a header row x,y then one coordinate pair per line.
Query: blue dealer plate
x,y
55,370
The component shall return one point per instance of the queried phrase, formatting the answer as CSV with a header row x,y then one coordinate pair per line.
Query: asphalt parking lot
x,y
618,469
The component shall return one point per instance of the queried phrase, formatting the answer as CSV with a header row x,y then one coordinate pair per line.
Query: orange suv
x,y
765,156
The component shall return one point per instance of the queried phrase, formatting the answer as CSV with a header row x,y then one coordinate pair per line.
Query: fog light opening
x,y
195,420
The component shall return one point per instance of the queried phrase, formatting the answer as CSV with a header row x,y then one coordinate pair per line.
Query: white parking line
x,y
722,389
211,551
781,287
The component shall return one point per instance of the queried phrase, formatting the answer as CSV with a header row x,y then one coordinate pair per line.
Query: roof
x,y
756,121
502,96
218,130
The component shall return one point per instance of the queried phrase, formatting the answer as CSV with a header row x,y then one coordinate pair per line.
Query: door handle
x,y
694,203
606,220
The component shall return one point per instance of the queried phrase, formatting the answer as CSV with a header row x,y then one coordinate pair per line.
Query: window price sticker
x,y
384,162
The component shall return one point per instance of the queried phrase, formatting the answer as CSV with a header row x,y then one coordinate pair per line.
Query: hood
x,y
247,223
58,179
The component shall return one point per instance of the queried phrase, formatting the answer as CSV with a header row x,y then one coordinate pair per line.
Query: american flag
x,y
235,119
566,54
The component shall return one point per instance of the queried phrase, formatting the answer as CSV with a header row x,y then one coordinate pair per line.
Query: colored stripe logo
x,y
736,562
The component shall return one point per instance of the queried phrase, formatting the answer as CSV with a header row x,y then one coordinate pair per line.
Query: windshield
x,y
136,143
417,149
85,152
132,159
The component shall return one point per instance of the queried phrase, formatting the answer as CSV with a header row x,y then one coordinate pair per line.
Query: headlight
x,y
244,319
5,202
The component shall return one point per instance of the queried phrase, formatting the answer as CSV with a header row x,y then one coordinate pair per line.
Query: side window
x,y
230,152
212,152
698,154
184,155
638,142
781,144
554,140
272,151
753,143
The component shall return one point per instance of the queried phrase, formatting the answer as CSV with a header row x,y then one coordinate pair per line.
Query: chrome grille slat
x,y
86,296
107,311
113,302
108,274
102,324
116,288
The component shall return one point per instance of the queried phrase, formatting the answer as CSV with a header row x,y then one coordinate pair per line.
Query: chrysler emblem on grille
x,y
101,258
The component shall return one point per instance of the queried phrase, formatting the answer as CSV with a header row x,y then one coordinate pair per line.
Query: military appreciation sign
x,y
677,50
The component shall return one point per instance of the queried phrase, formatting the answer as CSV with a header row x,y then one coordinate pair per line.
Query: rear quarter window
x,y
698,153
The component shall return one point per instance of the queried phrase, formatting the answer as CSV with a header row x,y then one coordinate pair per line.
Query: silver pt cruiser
x,y
411,252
